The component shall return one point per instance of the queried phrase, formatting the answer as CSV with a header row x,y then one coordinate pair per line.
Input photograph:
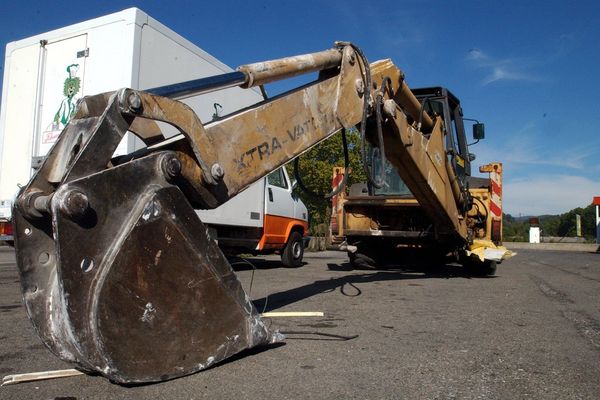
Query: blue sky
x,y
529,69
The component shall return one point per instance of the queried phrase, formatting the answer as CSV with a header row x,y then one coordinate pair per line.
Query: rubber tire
x,y
489,268
361,261
481,269
295,244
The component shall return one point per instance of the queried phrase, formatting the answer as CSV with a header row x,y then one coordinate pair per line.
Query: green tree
x,y
514,230
568,227
552,225
316,172
588,222
549,225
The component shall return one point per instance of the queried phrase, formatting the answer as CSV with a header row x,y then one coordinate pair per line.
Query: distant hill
x,y
526,217
516,229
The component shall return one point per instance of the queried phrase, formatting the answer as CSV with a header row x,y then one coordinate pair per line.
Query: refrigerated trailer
x,y
45,75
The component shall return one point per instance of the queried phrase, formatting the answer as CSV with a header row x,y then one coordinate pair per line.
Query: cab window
x,y
393,184
277,178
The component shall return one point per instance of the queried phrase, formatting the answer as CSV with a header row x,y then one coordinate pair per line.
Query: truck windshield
x,y
393,186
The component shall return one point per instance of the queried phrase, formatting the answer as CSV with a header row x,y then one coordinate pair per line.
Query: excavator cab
x,y
442,102
392,224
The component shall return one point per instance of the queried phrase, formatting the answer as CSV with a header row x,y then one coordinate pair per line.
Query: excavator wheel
x,y
481,269
292,253
361,261
368,254
489,268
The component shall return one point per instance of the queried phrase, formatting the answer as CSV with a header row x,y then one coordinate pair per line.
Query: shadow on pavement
x,y
347,284
249,263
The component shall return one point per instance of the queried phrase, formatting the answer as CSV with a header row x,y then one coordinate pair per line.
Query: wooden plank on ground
x,y
38,376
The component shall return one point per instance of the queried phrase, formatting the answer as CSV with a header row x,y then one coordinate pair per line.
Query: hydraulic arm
x,y
118,273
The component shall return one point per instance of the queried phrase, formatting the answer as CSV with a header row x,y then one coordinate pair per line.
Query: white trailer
x,y
46,74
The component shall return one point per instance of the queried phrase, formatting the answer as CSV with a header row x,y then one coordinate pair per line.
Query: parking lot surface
x,y
532,331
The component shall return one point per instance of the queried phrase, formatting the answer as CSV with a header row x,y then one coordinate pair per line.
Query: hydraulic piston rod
x,y
264,72
256,74
199,86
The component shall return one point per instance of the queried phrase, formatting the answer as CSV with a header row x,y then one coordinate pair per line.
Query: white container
x,y
46,74
534,234
124,49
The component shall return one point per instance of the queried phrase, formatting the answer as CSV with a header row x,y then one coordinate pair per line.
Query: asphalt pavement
x,y
533,331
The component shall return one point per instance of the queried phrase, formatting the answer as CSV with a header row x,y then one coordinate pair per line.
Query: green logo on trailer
x,y
67,106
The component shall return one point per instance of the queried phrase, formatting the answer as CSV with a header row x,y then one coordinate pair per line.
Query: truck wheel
x,y
292,253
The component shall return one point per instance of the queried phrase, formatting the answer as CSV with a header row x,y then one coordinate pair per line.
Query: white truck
x,y
267,217
45,75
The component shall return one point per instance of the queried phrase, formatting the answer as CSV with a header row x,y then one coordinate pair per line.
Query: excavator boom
x,y
119,275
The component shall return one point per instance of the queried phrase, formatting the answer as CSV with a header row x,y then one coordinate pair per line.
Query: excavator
x,y
385,222
120,276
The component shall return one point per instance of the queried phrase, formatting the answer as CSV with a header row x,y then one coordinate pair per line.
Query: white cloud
x,y
548,194
505,73
526,147
543,179
506,69
476,54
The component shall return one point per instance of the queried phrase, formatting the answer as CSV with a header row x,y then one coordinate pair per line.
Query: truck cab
x,y
265,218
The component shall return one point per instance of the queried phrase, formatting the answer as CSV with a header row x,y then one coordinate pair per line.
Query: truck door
x,y
279,208
60,85
278,196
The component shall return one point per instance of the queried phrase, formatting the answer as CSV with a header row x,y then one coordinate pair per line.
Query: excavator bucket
x,y
119,275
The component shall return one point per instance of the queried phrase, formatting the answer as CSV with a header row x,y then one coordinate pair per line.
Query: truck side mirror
x,y
294,191
478,131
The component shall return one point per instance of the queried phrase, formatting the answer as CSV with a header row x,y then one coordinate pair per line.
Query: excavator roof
x,y
437,91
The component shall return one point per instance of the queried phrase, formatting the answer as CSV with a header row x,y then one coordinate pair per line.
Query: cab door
x,y
279,209
278,199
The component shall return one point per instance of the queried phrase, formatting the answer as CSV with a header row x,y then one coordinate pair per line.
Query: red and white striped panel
x,y
495,171
334,223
